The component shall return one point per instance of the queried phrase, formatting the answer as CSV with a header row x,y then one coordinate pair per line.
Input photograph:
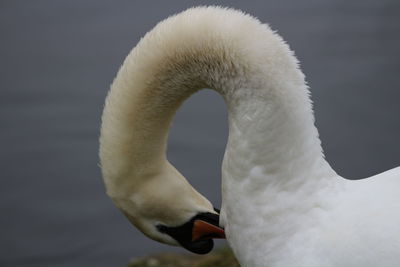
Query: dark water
x,y
58,59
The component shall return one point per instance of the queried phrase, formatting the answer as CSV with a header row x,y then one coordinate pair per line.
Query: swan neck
x,y
273,166
136,120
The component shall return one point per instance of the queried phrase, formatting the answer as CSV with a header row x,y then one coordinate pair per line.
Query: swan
x,y
282,203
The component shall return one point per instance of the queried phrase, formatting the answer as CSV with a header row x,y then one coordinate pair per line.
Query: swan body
x,y
282,204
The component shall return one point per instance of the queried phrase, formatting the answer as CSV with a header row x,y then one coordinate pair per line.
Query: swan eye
x,y
161,228
197,234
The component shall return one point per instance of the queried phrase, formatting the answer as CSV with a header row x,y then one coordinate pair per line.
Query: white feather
x,y
282,204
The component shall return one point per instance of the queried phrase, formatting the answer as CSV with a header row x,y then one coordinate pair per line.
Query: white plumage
x,y
282,204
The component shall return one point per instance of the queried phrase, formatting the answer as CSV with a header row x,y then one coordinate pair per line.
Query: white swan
x,y
282,204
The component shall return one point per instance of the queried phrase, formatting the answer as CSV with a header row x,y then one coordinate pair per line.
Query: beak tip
x,y
205,230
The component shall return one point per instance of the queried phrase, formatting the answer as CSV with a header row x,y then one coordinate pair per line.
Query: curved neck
x,y
273,145
270,120
135,123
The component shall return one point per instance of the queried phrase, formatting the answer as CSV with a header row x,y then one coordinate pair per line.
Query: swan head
x,y
166,208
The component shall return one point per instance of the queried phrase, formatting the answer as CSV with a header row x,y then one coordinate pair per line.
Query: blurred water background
x,y
58,59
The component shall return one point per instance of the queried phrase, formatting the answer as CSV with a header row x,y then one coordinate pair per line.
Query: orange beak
x,y
205,230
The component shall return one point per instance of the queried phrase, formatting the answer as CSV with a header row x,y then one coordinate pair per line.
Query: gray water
x,y
58,59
